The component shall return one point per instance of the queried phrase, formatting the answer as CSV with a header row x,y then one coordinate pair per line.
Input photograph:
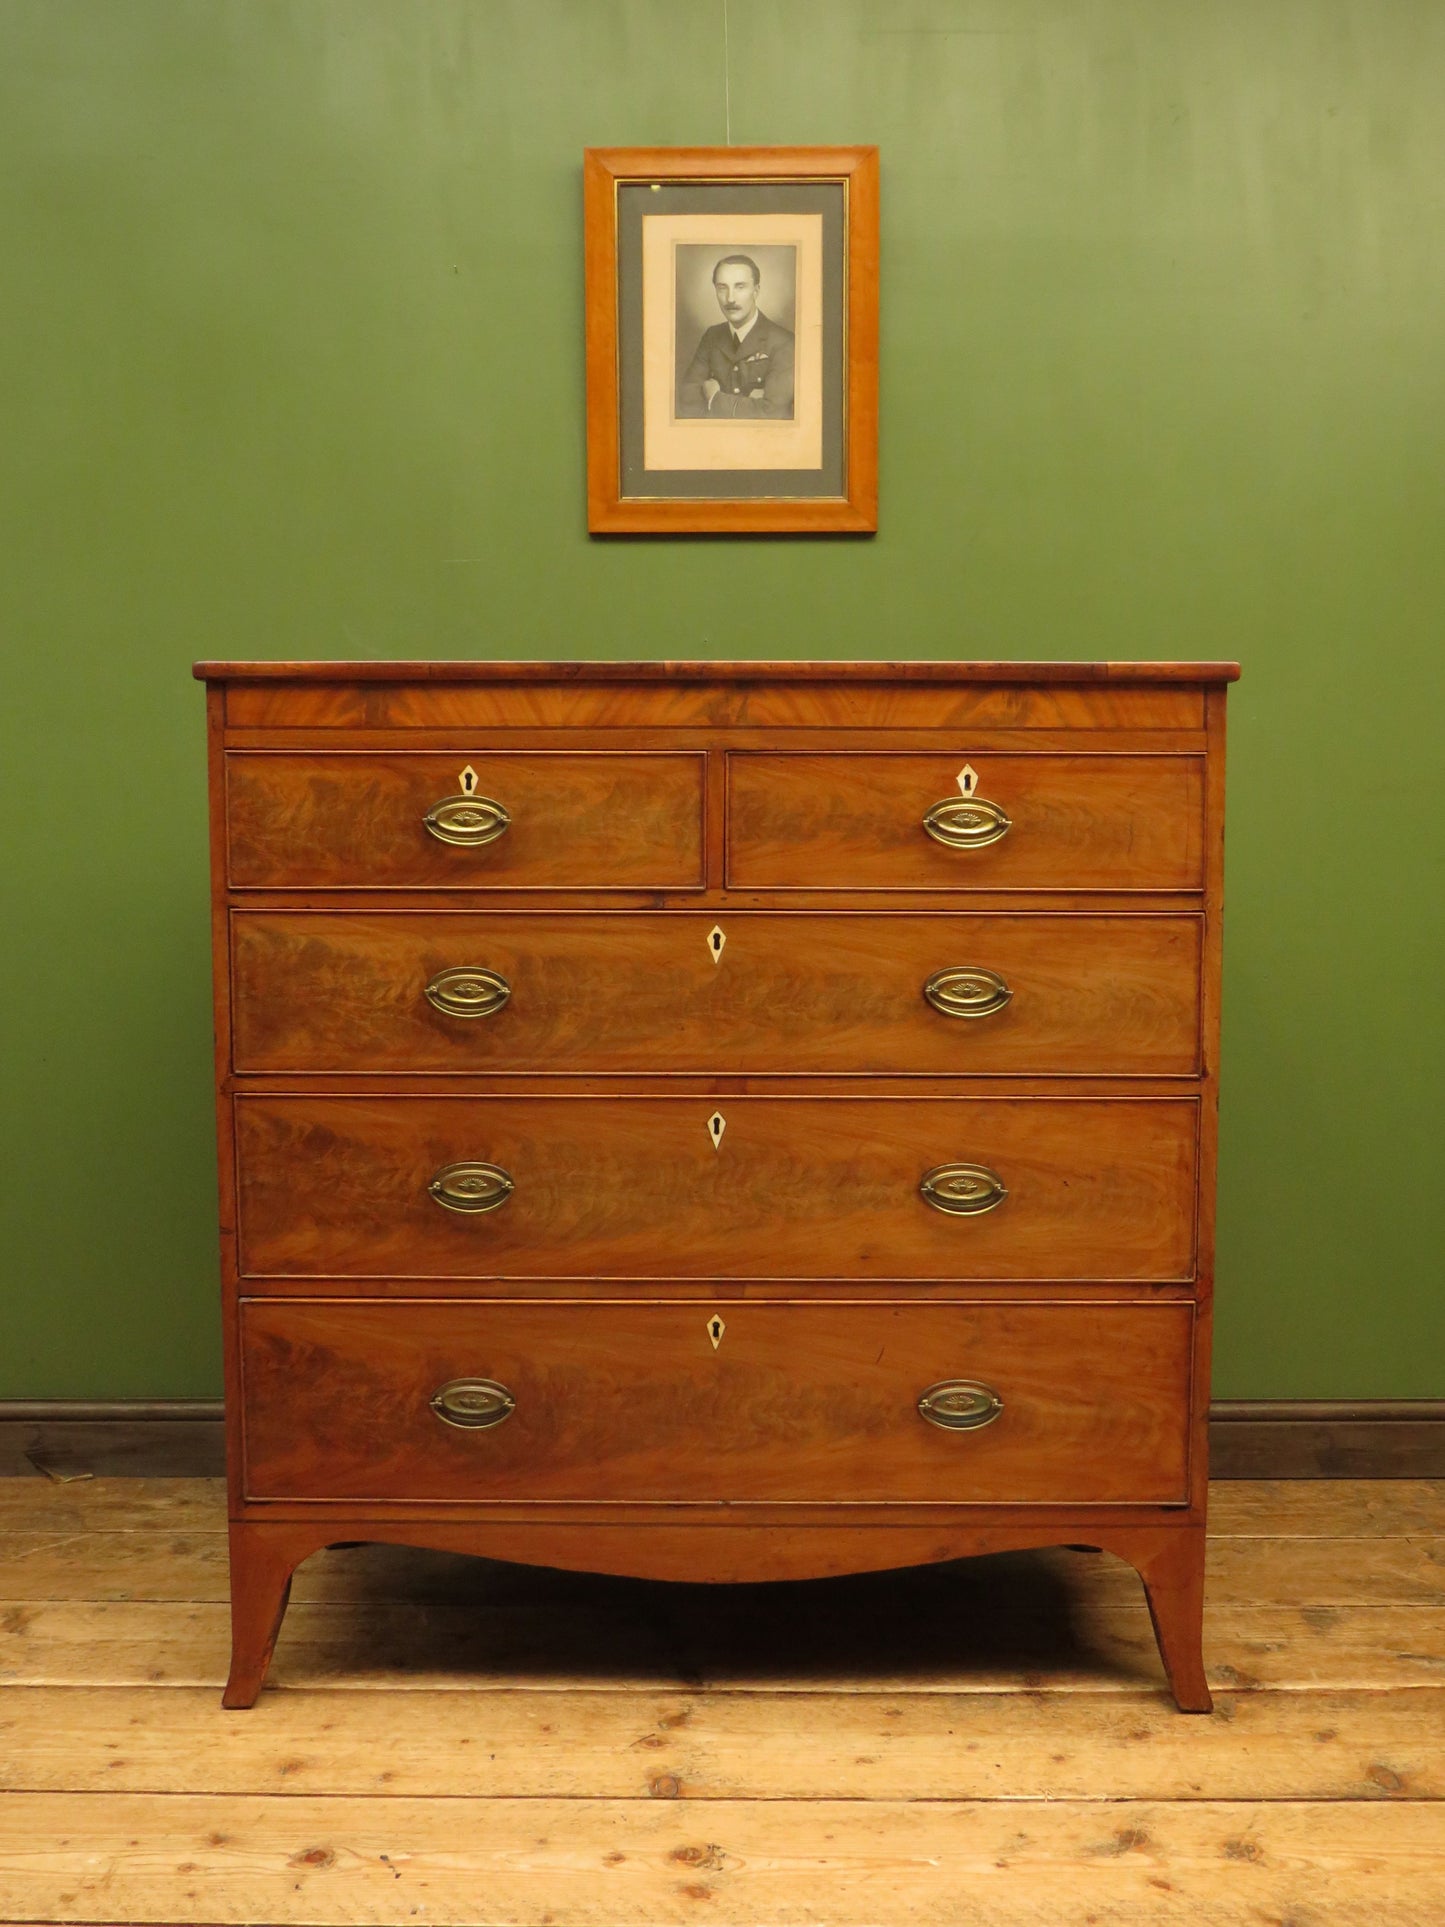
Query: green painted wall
x,y
291,366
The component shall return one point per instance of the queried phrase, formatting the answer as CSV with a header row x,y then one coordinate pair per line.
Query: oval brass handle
x,y
468,820
960,1404
468,990
963,1190
967,822
472,1403
471,1187
967,990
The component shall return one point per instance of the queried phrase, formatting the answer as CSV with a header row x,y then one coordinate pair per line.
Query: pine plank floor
x,y
453,1741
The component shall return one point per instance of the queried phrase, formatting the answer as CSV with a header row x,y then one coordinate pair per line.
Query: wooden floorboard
x,y
456,1741
192,1565
399,1647
88,1857
579,1745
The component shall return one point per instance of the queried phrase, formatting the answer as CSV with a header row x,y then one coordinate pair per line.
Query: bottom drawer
x,y
706,1402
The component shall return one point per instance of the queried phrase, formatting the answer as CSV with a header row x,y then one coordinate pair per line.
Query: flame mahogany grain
x,y
811,1401
731,704
799,1187
343,820
639,991
852,822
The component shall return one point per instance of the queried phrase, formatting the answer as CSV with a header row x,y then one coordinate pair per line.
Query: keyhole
x,y
468,781
715,1330
715,941
968,779
716,1125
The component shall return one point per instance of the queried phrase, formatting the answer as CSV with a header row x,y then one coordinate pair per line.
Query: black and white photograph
x,y
733,339
736,318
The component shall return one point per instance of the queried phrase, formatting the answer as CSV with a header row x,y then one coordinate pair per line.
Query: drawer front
x,y
538,819
677,991
844,821
735,1402
714,1188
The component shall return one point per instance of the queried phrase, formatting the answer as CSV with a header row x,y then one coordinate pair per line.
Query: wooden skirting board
x,y
1285,1438
1248,1438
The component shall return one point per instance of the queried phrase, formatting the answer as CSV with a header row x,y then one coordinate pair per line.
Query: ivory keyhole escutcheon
x,y
716,938
716,1125
715,1330
468,781
967,780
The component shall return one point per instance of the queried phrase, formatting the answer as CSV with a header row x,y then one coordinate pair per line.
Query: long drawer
x,y
736,1402
524,819
896,821
749,991
750,1187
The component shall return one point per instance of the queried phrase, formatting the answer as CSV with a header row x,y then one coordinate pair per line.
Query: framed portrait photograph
x,y
732,339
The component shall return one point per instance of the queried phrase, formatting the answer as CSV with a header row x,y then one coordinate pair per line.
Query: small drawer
x,y
895,821
746,991
733,1401
493,820
735,1187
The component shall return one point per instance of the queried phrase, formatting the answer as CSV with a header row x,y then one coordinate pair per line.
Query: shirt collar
x,y
741,334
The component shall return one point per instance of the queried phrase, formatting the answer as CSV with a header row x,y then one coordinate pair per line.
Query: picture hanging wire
x,y
727,84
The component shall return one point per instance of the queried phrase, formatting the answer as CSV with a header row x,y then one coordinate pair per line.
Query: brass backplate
x,y
471,1187
960,1404
468,990
472,1404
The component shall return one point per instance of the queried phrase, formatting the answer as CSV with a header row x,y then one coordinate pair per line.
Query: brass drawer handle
x,y
471,1187
967,991
468,820
468,990
960,1404
963,1190
472,1404
967,822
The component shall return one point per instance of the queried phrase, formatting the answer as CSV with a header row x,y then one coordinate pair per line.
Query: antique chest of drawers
x,y
717,1121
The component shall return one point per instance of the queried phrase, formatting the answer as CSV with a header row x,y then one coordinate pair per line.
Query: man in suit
x,y
744,365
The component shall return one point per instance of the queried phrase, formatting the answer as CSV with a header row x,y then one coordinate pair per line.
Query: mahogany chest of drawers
x,y
717,1121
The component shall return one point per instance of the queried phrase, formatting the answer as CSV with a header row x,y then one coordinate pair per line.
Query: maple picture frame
x,y
786,440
